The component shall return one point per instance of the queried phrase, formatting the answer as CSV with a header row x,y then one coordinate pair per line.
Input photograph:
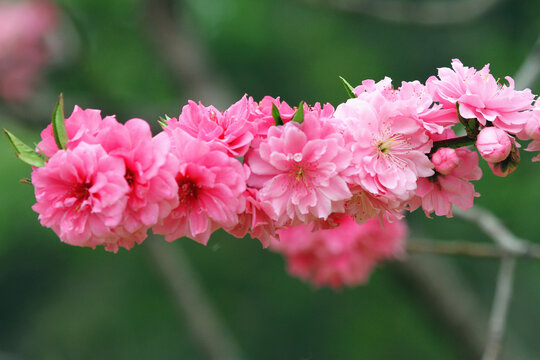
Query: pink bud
x,y
445,160
508,165
493,144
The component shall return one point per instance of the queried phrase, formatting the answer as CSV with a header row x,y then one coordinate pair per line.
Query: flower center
x,y
80,192
187,190
130,177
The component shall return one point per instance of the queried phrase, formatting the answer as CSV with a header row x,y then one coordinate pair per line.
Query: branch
x,y
423,13
501,303
462,248
528,73
208,331
494,228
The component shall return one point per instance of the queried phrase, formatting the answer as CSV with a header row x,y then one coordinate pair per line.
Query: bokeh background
x,y
137,58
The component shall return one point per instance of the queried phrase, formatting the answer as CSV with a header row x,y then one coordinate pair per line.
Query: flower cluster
x,y
24,27
269,170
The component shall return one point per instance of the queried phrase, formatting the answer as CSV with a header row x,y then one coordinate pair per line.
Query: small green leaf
x,y
24,152
163,120
348,88
58,124
276,115
299,114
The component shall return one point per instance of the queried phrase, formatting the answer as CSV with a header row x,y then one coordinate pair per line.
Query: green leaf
x,y
162,120
276,115
299,115
59,124
348,88
24,152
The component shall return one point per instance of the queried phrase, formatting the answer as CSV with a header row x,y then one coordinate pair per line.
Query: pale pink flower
x,y
232,129
493,144
532,131
480,96
344,255
445,160
81,195
298,168
210,189
24,26
389,147
411,98
82,125
439,192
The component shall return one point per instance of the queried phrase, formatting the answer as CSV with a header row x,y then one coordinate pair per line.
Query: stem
x,y
453,143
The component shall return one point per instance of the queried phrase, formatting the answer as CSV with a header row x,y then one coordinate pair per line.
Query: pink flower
x,y
232,129
298,168
255,220
82,125
210,188
493,144
81,195
445,160
412,98
480,96
150,174
24,26
389,149
532,131
344,255
439,192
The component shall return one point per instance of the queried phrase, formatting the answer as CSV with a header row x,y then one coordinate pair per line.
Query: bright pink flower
x,y
389,149
493,144
344,255
439,192
298,168
445,160
24,26
81,195
480,96
210,188
232,129
150,173
82,125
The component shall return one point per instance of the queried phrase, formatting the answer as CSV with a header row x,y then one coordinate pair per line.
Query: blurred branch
x,y
495,229
186,59
422,246
527,75
209,332
501,303
422,13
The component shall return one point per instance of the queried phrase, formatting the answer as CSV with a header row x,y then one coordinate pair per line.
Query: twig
x,y
423,13
422,246
494,228
208,331
503,295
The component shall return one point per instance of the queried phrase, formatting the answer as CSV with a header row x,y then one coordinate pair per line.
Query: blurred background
x,y
137,58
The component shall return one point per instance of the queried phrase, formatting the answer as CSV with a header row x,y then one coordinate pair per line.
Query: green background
x,y
64,302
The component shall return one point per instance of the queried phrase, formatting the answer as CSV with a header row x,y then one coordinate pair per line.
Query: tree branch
x,y
431,13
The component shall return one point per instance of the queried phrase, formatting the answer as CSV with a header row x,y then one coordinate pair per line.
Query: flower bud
x,y
493,144
508,165
445,160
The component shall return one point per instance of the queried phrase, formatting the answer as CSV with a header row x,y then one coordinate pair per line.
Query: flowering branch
x,y
453,143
